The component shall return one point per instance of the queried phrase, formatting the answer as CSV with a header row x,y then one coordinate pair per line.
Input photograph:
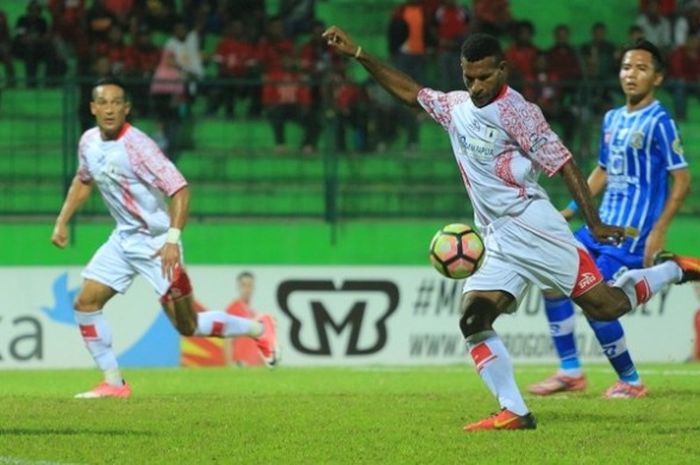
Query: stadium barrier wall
x,y
327,315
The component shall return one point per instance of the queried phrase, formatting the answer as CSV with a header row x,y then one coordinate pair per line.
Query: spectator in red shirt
x,y
563,67
68,25
121,9
349,103
451,23
492,16
665,7
522,59
274,45
237,63
563,61
142,58
114,49
549,98
286,97
6,50
317,61
684,75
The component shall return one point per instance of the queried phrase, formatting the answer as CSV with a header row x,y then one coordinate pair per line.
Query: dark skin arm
x,y
400,85
578,187
170,253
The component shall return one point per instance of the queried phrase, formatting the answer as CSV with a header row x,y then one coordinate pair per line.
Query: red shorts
x,y
588,274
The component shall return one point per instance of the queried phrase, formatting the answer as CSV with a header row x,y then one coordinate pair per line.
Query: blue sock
x,y
612,338
560,313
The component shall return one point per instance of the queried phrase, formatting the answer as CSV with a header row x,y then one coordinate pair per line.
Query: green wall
x,y
272,242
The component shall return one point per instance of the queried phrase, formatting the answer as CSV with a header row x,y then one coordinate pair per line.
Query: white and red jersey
x,y
500,149
132,175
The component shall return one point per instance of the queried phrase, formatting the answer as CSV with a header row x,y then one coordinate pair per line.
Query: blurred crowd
x,y
274,65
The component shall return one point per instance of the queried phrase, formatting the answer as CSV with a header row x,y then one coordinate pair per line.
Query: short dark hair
x,y
478,46
244,274
643,44
111,81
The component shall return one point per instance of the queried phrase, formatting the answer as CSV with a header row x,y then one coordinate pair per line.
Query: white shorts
x,y
536,247
123,256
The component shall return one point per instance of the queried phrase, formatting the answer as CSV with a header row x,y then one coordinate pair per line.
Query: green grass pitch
x,y
340,416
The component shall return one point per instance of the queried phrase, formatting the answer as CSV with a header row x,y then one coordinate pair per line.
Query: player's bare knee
x,y
86,304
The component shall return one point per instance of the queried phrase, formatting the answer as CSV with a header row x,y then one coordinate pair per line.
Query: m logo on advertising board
x,y
359,308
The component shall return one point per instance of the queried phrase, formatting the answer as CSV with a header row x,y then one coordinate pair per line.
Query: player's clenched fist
x,y
340,40
59,238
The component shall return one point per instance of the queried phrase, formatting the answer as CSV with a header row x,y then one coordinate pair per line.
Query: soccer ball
x,y
457,251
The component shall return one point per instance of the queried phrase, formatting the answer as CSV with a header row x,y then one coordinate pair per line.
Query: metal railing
x,y
235,170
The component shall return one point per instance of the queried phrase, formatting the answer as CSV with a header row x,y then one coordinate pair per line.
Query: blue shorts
x,y
611,260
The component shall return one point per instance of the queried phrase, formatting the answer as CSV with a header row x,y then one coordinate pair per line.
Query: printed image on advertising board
x,y
351,315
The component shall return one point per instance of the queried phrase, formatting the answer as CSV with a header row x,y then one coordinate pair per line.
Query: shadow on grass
x,y
71,432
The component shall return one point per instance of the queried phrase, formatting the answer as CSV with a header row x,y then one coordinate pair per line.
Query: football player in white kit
x,y
134,177
501,142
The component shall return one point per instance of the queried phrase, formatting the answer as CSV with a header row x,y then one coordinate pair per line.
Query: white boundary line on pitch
x,y
7,460
525,369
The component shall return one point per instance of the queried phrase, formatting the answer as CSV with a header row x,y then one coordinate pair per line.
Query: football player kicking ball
x,y
134,176
500,142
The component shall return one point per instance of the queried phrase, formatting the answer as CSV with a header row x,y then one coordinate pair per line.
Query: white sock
x,y
641,285
98,339
495,368
221,324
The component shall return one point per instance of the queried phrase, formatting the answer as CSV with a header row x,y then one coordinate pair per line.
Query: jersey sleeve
x,y
83,172
152,167
668,141
603,152
525,123
440,105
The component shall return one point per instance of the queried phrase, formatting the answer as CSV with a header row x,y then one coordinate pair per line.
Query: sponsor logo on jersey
x,y
476,148
637,140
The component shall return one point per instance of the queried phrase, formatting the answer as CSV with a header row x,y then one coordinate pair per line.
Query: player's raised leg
x,y
178,303
97,335
604,302
480,309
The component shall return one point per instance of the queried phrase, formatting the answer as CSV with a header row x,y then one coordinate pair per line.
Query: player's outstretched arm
x,y
399,84
77,195
578,187
170,252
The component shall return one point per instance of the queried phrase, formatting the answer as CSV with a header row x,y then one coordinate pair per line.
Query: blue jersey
x,y
637,151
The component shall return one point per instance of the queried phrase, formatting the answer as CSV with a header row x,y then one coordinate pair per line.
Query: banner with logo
x,y
345,315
